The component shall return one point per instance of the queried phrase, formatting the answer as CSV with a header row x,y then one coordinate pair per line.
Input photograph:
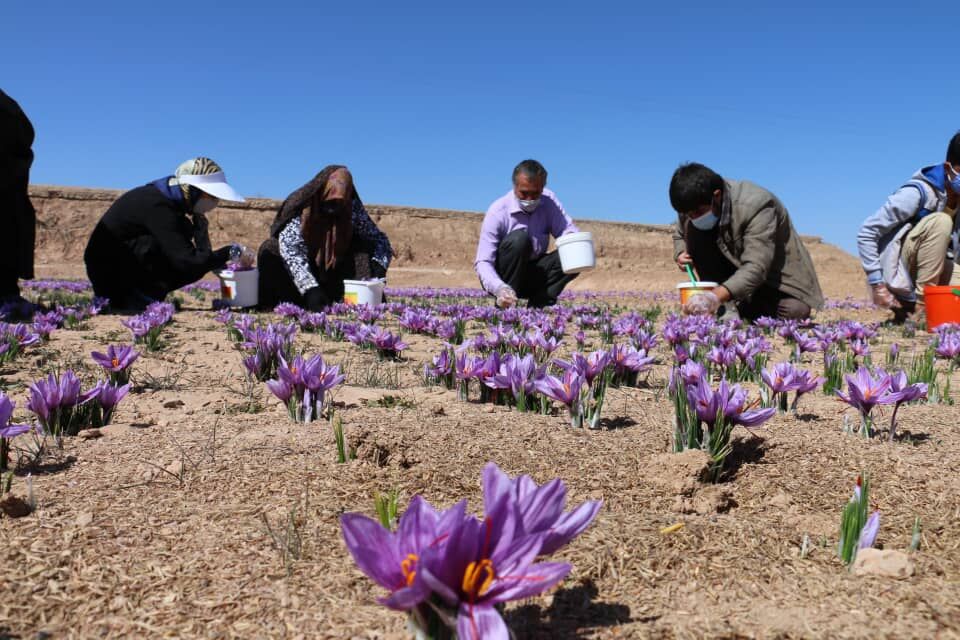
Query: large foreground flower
x,y
484,564
392,559
541,508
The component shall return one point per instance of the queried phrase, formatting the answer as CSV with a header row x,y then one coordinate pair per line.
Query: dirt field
x,y
204,512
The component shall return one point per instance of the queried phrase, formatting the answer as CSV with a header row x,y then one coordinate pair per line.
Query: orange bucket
x,y
943,305
689,289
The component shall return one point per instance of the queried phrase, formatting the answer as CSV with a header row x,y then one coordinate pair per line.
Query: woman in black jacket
x,y
154,239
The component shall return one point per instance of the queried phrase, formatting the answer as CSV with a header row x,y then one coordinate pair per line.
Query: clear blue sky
x,y
432,104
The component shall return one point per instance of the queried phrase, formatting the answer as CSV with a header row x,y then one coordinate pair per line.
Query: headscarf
x,y
193,167
325,208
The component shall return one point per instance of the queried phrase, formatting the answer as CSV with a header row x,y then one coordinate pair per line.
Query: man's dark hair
x,y
953,149
692,186
531,169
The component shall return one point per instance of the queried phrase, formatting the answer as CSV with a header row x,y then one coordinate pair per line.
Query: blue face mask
x,y
705,222
954,181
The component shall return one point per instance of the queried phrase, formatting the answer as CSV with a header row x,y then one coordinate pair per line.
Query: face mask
x,y
954,182
204,205
529,205
705,222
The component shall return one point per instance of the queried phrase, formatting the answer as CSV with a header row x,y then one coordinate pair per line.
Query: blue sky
x,y
432,104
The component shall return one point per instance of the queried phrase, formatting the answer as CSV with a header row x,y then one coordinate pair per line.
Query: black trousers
x,y
276,284
539,280
713,266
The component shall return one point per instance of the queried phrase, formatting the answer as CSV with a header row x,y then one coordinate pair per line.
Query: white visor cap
x,y
213,183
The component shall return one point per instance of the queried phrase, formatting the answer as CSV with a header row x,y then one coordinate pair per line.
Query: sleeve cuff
x,y
874,277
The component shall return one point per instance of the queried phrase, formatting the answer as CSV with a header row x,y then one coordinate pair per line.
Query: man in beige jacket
x,y
740,235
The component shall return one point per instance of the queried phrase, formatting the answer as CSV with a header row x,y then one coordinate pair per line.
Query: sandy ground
x,y
204,512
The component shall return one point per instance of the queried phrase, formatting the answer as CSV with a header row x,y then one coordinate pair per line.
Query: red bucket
x,y
943,305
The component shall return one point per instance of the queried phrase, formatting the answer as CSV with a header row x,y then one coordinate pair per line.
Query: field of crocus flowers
x,y
626,472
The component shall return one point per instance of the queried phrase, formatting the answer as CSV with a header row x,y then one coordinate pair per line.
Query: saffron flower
x,y
302,386
541,507
858,530
903,392
8,430
392,559
450,570
565,390
485,563
116,362
865,391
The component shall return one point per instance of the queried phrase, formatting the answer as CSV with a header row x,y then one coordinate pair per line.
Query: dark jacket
x,y
16,212
145,242
756,235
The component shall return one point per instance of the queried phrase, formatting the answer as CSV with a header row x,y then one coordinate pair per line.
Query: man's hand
x,y
882,297
683,259
702,304
506,297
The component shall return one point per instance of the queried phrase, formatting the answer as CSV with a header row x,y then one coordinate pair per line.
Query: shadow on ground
x,y
573,614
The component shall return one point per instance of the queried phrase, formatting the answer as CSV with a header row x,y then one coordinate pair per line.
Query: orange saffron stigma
x,y
115,362
409,567
477,578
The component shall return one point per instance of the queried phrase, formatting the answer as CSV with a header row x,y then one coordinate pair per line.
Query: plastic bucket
x,y
943,305
363,291
576,252
239,288
689,289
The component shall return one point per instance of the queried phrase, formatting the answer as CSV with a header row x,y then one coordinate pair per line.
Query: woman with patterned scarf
x,y
154,239
321,236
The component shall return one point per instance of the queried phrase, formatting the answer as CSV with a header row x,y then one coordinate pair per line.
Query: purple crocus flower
x,y
903,392
288,310
728,402
109,396
865,390
44,398
393,559
8,430
626,359
138,326
280,389
117,359
868,535
565,390
692,373
780,378
484,564
541,508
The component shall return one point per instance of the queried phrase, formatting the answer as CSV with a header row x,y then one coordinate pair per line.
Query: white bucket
x,y
240,288
576,252
363,291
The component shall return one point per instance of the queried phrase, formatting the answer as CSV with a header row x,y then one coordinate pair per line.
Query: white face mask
x,y
205,205
528,206
705,222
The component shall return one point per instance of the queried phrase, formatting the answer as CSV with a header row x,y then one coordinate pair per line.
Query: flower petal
x,y
570,525
374,550
535,580
480,622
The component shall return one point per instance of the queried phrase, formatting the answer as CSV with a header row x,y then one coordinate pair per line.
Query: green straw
x,y
693,280
955,292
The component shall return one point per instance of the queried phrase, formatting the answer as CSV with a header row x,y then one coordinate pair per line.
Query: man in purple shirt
x,y
512,259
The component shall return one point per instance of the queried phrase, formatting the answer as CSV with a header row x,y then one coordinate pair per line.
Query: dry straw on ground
x,y
193,517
